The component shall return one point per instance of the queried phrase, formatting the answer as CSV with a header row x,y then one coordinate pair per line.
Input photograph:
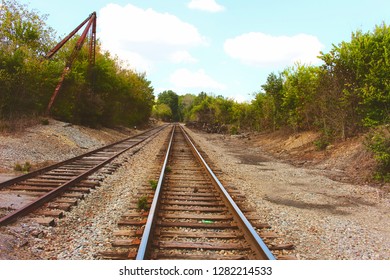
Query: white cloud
x,y
186,79
240,98
182,57
145,33
265,50
206,5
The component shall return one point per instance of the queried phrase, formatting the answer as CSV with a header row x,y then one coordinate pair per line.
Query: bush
x,y
23,167
324,140
233,130
378,142
45,121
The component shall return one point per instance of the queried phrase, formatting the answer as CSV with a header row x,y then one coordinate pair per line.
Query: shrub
x,y
233,130
153,184
23,167
378,142
142,203
45,121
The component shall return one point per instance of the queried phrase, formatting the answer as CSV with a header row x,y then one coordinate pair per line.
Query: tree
x,y
171,99
162,112
299,90
186,102
24,79
273,88
105,94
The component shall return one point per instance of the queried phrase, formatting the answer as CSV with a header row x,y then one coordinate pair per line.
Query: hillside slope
x,y
41,144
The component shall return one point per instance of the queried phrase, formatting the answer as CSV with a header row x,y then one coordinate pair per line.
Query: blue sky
x,y
224,47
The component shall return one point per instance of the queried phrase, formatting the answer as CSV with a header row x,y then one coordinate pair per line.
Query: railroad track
x,y
190,215
50,191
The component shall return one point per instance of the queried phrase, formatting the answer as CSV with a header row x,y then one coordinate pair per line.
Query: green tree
x,y
24,79
186,102
273,88
299,90
171,99
162,112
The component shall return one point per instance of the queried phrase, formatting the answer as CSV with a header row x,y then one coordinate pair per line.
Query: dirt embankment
x,y
345,161
43,144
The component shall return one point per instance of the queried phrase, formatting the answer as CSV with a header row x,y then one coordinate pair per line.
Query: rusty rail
x,y
148,230
251,235
256,244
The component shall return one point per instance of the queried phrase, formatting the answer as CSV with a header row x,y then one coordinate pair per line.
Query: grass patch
x,y
153,184
142,203
25,168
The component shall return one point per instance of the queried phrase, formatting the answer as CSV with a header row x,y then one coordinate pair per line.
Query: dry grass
x,y
17,125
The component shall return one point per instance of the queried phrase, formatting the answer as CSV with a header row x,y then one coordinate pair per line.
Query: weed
x,y
23,167
45,121
18,167
168,169
321,144
324,140
142,203
153,184
233,130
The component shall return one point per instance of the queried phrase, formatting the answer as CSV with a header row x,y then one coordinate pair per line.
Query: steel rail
x,y
63,187
250,234
150,224
256,243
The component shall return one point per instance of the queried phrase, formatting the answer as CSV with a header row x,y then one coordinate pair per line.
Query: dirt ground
x,y
347,161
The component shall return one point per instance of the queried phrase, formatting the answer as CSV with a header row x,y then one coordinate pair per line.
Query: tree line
x,y
104,94
348,94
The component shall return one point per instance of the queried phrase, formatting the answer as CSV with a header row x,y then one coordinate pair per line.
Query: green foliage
x,y
142,203
153,184
378,142
299,89
357,73
25,168
24,79
105,94
233,130
323,141
45,121
171,99
162,112
185,105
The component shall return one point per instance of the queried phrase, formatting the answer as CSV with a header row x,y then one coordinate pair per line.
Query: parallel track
x,y
68,179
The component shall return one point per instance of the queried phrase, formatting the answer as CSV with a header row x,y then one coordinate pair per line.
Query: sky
x,y
221,47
